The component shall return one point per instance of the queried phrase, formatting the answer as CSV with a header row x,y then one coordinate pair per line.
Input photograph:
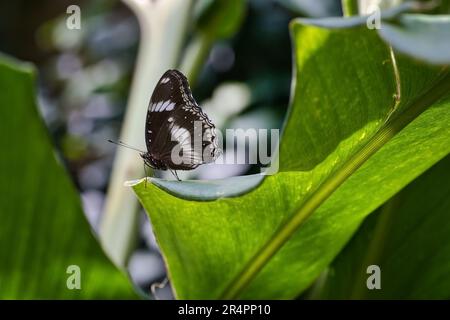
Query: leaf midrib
x,y
387,132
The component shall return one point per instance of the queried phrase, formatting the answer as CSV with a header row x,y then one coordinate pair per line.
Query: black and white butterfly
x,y
178,134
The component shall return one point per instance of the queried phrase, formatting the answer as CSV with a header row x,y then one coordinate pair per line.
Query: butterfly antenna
x,y
122,144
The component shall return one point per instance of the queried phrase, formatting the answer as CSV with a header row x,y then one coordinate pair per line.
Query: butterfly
x,y
178,134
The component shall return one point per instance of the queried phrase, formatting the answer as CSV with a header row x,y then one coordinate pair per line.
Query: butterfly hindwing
x,y
172,118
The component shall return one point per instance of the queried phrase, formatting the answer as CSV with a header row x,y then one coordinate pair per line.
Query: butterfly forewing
x,y
173,118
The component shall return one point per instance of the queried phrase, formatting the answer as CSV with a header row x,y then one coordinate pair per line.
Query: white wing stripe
x,y
170,106
158,106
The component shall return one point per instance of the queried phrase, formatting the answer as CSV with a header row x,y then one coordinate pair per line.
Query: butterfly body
x,y
152,162
178,134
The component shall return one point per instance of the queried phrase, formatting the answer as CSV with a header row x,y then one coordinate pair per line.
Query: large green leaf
x,y
43,230
423,36
426,37
408,238
357,20
348,146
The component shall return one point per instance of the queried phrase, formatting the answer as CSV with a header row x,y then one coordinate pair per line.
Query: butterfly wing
x,y
173,118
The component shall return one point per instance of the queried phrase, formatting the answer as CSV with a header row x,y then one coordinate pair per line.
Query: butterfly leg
x,y
174,172
145,172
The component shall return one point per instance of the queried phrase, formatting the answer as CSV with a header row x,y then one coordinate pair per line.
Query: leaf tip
x,y
135,182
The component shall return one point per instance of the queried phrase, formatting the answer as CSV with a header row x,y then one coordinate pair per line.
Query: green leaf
x,y
348,146
425,37
43,230
421,36
219,18
356,20
350,7
408,238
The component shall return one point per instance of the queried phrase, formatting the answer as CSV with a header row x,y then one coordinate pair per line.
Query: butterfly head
x,y
152,162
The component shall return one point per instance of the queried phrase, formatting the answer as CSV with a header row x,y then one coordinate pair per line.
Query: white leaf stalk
x,y
162,26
